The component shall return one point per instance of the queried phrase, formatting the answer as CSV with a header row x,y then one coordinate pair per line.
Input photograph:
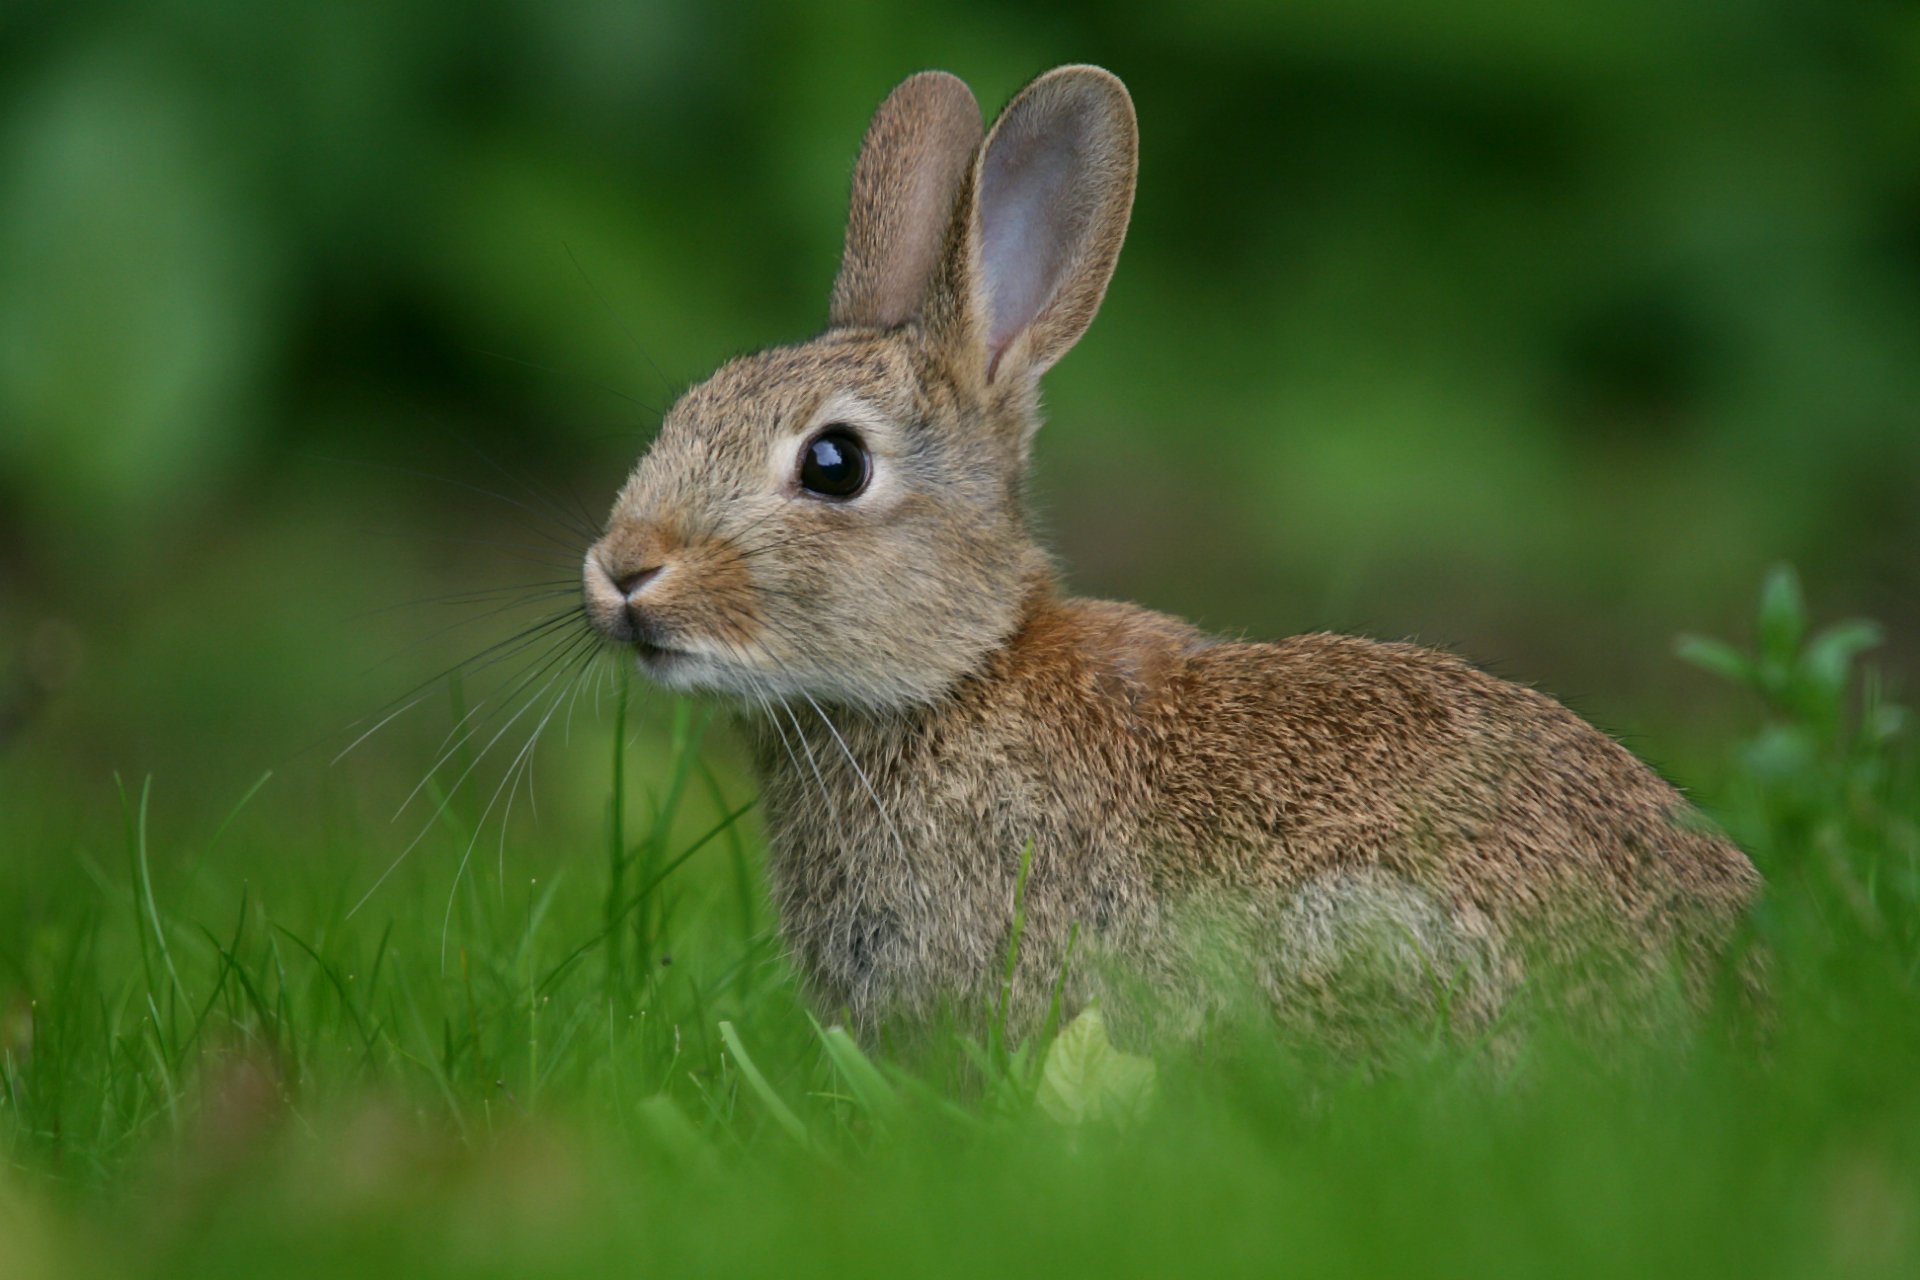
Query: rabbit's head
x,y
844,518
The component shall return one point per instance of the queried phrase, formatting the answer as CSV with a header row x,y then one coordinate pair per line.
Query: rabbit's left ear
x,y
1039,227
917,153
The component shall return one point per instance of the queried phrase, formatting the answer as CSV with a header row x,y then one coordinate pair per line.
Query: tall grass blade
x,y
782,1114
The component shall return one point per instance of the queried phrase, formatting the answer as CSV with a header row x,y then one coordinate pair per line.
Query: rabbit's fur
x,y
1212,816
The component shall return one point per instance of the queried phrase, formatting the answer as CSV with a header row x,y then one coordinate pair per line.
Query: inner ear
x,y
1028,223
917,153
1053,192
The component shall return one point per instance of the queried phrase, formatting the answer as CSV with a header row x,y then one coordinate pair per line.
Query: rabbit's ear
x,y
917,153
1048,210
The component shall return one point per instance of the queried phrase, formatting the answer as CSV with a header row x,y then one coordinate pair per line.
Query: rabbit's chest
x,y
896,889
891,915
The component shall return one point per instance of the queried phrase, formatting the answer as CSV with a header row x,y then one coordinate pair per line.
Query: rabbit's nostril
x,y
632,582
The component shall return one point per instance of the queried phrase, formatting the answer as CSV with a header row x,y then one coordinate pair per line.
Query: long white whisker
x,y
586,676
445,755
448,745
774,720
880,808
378,726
539,665
570,692
442,807
825,794
513,768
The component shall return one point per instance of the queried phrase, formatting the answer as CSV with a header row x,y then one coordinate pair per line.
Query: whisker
x,y
594,524
532,591
480,661
712,527
774,720
526,552
472,711
480,825
408,698
377,727
787,540
419,641
529,754
570,690
566,647
858,771
544,620
825,794
587,675
447,800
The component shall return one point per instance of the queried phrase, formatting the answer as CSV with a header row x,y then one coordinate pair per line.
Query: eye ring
x,y
835,464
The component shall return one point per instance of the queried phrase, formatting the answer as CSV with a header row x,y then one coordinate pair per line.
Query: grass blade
x,y
782,1114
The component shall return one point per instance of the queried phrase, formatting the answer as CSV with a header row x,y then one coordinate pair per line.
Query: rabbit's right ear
x,y
1038,228
918,151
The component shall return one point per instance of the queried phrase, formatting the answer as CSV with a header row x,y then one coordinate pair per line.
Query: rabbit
x,y
832,539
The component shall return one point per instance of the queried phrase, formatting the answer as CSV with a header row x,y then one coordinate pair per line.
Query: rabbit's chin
x,y
694,672
689,671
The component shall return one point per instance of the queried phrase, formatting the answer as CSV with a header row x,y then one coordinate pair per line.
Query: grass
x,y
210,1063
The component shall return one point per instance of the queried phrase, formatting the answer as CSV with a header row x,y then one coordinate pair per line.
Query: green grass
x,y
585,1056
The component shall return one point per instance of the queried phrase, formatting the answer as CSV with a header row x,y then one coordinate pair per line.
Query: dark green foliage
x,y
1467,325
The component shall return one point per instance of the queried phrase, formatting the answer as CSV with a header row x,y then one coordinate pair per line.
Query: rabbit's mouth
x,y
655,654
689,670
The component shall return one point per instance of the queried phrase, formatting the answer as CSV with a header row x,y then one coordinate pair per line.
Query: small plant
x,y
1815,786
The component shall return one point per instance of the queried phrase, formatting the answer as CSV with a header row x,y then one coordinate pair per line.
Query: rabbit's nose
x,y
631,584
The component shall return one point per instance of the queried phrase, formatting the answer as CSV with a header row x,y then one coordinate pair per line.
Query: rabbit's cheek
x,y
712,601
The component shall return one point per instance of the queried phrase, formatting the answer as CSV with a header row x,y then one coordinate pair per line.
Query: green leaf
x,y
1781,752
1716,656
1829,656
1783,615
1087,1080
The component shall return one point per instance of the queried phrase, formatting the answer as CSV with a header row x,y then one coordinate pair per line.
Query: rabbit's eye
x,y
834,464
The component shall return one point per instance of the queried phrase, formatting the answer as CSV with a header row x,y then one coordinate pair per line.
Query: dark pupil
x,y
835,465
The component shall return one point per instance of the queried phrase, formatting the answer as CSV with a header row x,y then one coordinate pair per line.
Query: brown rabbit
x,y
833,536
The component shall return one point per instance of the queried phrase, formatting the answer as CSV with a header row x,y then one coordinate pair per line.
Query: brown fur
x,y
918,151
924,705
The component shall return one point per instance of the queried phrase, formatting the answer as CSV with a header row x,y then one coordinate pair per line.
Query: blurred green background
x,y
1531,329
1534,329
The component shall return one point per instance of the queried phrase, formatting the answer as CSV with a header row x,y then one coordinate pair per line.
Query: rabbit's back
x,y
1339,752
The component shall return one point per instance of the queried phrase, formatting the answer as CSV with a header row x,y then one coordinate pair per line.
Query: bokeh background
x,y
1532,329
